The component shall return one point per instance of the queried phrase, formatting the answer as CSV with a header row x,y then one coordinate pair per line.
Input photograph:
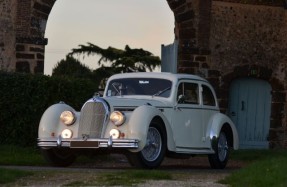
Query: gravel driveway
x,y
196,171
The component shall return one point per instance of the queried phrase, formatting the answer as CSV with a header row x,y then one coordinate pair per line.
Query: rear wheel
x,y
59,157
220,158
154,151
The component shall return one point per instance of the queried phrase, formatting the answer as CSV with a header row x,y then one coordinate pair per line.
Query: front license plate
x,y
84,144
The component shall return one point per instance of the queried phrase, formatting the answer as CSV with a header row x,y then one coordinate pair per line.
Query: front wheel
x,y
154,151
219,159
59,157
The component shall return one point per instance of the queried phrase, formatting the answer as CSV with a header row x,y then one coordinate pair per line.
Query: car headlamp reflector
x,y
115,134
68,117
118,118
67,133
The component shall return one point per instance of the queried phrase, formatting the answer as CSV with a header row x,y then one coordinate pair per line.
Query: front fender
x,y
50,121
216,124
140,121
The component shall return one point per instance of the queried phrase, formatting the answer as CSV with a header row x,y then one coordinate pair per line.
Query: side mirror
x,y
181,99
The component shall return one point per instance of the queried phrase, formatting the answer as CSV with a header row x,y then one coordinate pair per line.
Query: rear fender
x,y
217,123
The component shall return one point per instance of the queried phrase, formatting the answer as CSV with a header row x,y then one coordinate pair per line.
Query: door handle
x,y
176,108
242,105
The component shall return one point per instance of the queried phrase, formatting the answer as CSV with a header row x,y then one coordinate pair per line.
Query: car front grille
x,y
92,120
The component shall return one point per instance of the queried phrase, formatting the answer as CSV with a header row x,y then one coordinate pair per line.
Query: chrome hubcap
x,y
153,146
222,147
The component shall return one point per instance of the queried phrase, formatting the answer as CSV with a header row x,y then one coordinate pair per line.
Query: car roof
x,y
163,75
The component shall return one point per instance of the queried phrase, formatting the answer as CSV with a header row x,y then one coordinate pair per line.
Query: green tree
x,y
71,67
118,60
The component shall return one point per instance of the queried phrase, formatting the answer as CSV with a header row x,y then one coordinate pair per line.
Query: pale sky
x,y
143,24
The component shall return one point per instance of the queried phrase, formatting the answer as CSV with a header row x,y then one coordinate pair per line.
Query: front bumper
x,y
88,143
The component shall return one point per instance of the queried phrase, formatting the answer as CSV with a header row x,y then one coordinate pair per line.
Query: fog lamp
x,y
67,133
115,134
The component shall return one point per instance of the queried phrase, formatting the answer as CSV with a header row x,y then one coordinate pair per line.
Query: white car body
x,y
191,127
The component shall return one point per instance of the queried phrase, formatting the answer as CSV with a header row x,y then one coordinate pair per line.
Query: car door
x,y
209,108
187,117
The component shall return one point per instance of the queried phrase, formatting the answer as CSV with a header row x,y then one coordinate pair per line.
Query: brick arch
x,y
192,30
278,97
31,19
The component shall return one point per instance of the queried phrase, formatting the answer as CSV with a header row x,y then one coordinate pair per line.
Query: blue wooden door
x,y
250,109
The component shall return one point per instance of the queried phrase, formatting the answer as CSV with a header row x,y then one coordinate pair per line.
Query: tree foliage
x,y
71,67
120,60
111,61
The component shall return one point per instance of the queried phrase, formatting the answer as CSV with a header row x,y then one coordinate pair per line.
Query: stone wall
x,y
32,16
7,34
22,30
250,41
225,40
248,34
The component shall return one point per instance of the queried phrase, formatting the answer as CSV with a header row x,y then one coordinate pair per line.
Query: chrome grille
x,y
92,120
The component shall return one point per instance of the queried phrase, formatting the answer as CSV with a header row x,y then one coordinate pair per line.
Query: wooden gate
x,y
250,110
169,57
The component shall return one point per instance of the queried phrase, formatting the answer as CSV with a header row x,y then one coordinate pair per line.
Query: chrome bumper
x,y
88,143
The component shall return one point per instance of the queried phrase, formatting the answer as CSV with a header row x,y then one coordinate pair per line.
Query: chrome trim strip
x,y
102,143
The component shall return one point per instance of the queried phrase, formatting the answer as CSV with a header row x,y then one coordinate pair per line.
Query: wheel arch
x,y
221,122
168,131
228,133
141,123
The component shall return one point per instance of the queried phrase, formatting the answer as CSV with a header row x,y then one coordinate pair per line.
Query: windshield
x,y
139,86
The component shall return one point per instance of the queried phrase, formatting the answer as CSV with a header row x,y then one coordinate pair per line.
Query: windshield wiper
x,y
162,91
116,89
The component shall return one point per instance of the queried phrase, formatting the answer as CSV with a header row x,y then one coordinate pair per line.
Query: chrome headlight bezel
x,y
118,118
68,117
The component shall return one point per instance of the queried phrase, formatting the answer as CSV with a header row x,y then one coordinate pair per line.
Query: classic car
x,y
145,115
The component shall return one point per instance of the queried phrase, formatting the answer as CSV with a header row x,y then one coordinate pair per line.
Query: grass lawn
x,y
20,156
264,168
11,175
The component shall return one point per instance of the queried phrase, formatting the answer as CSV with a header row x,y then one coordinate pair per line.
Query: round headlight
x,y
68,117
67,133
115,134
117,118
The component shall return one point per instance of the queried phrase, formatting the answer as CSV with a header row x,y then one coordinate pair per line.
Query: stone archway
x,y
28,20
145,24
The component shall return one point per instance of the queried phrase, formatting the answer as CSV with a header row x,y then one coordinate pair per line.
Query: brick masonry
x,y
220,40
7,34
22,30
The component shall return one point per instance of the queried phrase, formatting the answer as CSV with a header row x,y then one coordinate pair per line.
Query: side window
x,y
207,96
188,93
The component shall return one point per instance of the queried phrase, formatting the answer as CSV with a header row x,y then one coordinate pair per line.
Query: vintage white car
x,y
146,115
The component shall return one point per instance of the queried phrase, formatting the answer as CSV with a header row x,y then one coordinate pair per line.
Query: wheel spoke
x,y
154,145
222,147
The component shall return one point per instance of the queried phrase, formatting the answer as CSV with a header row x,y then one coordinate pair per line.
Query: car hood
x,y
127,102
